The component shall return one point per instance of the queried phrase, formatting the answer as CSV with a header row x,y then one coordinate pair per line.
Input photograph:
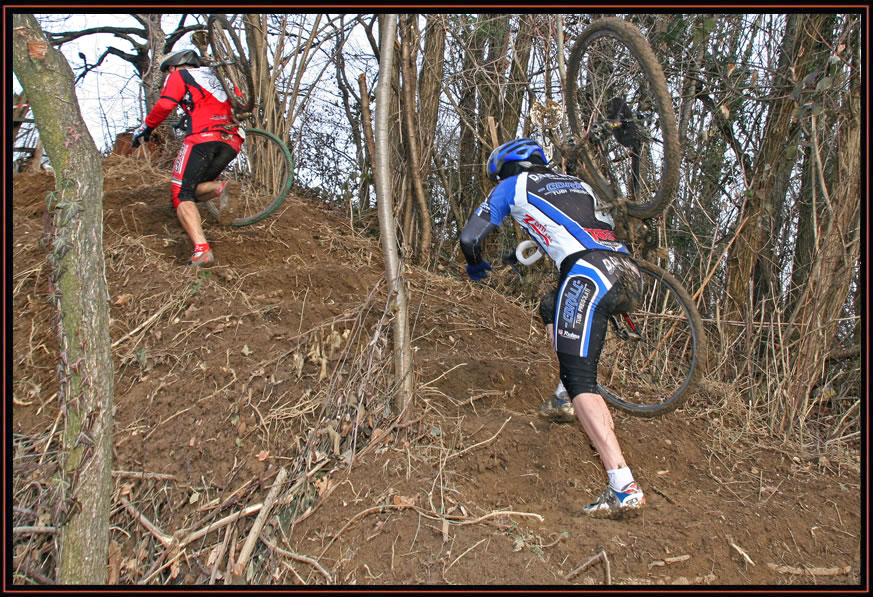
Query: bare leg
x,y
206,191
189,217
596,420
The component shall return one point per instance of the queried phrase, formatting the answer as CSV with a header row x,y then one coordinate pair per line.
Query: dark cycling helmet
x,y
185,57
519,150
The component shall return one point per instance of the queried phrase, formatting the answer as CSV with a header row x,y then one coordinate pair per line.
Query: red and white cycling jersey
x,y
200,95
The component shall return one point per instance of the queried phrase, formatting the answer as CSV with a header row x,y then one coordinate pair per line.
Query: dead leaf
x,y
246,350
262,455
400,500
725,111
192,441
323,485
123,299
731,68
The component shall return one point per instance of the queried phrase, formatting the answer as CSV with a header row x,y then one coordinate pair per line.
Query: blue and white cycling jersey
x,y
558,211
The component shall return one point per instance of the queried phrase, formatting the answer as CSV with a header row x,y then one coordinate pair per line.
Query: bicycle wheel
x,y
656,373
231,66
622,116
265,170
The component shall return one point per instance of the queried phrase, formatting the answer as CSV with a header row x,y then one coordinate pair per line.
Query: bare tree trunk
x,y
759,205
153,78
409,40
835,249
387,225
518,79
430,82
79,295
367,126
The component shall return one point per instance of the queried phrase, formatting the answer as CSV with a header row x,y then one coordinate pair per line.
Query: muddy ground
x,y
276,361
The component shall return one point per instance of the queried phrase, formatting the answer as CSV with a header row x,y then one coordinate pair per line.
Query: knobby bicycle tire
x,y
639,59
656,374
264,171
231,66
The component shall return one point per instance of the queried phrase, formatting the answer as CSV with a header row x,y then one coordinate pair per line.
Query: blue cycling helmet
x,y
518,150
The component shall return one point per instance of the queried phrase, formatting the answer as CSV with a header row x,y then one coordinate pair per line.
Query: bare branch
x,y
58,39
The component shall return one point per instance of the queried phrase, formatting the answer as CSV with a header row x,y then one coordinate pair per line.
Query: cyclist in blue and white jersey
x,y
597,278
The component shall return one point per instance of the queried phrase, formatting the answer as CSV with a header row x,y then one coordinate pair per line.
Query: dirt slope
x,y
278,358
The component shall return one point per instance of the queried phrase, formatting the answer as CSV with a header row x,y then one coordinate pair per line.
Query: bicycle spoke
x,y
264,171
653,375
622,115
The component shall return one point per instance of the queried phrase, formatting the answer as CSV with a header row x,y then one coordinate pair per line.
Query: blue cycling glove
x,y
143,132
478,272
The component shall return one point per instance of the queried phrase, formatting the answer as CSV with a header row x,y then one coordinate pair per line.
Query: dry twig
x,y
246,552
816,571
591,560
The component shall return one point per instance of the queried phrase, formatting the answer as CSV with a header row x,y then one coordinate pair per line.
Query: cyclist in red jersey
x,y
213,140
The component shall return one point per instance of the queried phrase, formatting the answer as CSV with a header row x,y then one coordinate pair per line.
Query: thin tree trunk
x,y
153,78
408,108
387,224
759,203
367,126
81,301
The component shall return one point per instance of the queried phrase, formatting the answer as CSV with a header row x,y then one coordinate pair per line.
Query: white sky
x,y
109,96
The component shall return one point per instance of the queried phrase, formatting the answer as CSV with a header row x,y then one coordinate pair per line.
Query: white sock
x,y
561,391
620,477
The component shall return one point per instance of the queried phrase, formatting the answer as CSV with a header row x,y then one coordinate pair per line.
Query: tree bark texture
x,y
387,224
409,40
78,292
760,200
836,247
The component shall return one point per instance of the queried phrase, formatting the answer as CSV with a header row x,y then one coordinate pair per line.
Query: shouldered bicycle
x,y
264,166
626,145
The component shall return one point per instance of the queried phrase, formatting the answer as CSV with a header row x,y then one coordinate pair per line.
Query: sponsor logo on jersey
x,y
538,228
568,334
560,187
601,235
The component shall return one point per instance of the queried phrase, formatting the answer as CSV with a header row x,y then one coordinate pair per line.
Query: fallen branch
x,y
361,515
300,558
468,550
811,571
740,550
144,475
499,513
166,540
482,443
246,552
666,561
214,572
223,522
34,530
599,556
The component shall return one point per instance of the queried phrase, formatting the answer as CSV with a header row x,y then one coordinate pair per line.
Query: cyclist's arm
x,y
474,233
485,219
171,96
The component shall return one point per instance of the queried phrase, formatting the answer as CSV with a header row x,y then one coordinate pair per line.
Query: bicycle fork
x,y
625,329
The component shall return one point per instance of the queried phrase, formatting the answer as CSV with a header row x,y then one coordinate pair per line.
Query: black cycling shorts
x,y
198,162
597,285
